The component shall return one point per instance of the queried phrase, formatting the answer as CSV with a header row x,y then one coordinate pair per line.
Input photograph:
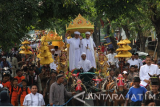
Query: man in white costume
x,y
88,46
133,61
145,69
139,60
84,63
111,58
74,49
53,52
34,98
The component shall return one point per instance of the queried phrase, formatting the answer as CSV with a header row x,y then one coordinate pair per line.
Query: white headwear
x,y
88,33
52,49
125,72
83,53
76,32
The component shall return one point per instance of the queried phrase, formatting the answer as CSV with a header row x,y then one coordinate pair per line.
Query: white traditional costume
x,y
140,62
112,59
133,62
88,47
33,100
74,51
52,54
85,64
144,70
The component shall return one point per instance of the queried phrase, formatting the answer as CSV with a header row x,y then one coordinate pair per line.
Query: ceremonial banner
x,y
109,43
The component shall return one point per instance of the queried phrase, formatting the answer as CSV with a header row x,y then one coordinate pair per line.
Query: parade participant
x,y
139,60
19,76
61,72
145,69
48,84
5,80
5,63
133,61
154,93
34,98
32,78
131,73
4,96
111,57
53,52
58,92
21,62
135,93
57,51
125,76
74,50
53,65
111,75
23,91
14,92
85,64
14,65
26,64
88,47
44,76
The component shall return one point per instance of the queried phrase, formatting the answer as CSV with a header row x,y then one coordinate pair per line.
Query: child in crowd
x,y
23,91
135,93
14,92
19,77
5,82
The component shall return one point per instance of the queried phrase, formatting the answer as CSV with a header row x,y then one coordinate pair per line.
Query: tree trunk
x,y
158,47
125,28
142,39
95,36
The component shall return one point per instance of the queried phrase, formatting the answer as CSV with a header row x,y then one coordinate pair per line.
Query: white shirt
x,y
53,66
33,100
140,62
145,69
133,62
85,64
58,52
111,57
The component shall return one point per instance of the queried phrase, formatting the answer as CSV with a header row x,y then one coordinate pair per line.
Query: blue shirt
x,y
136,94
9,65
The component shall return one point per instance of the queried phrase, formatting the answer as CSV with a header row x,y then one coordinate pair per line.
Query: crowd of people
x,y
31,84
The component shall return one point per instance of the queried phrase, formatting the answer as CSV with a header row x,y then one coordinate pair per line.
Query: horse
x,y
120,91
97,89
77,87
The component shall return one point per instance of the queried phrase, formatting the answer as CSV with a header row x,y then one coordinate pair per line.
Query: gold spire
x,y
25,48
80,24
123,49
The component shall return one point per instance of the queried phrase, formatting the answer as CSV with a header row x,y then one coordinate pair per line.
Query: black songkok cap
x,y
132,66
53,71
61,72
136,79
59,75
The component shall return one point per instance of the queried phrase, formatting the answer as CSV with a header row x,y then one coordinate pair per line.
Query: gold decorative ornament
x,y
80,24
25,49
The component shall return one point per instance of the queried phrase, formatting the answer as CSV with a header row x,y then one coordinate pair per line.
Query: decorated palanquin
x,y
63,62
25,49
102,64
